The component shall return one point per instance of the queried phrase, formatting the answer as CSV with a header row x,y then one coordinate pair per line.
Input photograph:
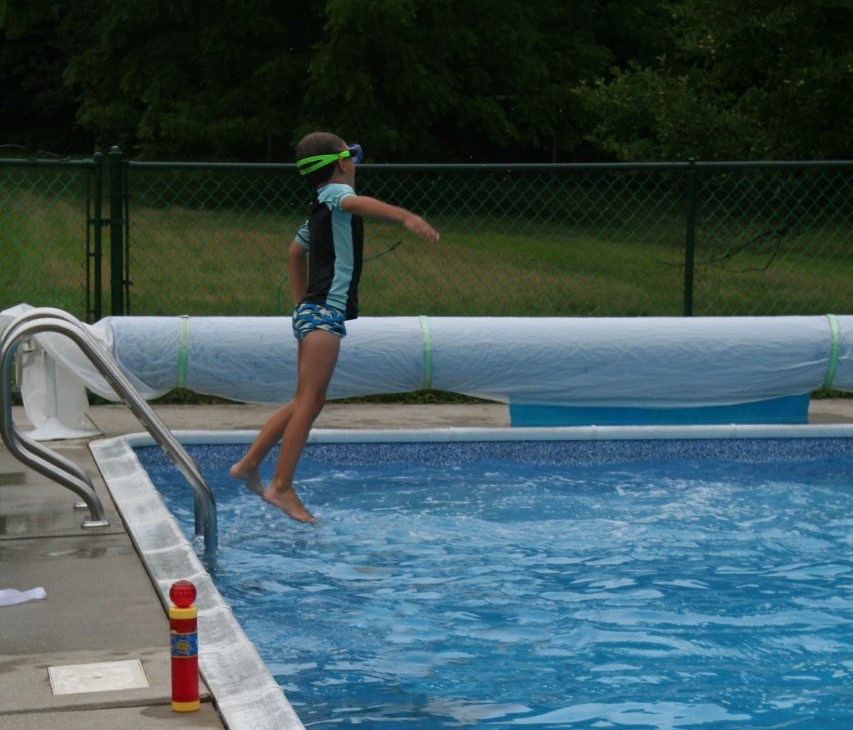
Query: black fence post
x,y
94,285
690,238
116,234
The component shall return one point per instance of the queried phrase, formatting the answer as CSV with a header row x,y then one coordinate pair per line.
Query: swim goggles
x,y
310,164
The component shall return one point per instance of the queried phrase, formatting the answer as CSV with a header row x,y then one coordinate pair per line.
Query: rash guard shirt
x,y
334,240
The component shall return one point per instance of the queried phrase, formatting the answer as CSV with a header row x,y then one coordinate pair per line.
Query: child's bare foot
x,y
251,478
288,502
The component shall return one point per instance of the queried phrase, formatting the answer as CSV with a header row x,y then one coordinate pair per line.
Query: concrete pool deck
x,y
101,614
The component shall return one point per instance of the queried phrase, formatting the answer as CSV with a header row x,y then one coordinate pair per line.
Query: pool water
x,y
447,586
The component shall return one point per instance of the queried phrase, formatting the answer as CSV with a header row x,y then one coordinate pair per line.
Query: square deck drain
x,y
101,677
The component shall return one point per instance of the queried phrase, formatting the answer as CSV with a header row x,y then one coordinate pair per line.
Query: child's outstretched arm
x,y
372,208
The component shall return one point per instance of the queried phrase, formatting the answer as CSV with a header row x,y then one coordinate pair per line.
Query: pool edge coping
x,y
543,433
244,691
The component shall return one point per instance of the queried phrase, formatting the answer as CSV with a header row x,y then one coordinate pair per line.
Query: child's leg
x,y
317,362
247,469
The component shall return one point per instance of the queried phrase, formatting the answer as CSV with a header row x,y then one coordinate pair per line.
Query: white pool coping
x,y
246,694
244,690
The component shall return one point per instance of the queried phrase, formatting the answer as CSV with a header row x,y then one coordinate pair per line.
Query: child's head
x,y
313,146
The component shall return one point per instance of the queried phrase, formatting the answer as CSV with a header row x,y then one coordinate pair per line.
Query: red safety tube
x,y
183,626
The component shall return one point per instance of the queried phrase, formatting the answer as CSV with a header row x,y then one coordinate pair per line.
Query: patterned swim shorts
x,y
308,317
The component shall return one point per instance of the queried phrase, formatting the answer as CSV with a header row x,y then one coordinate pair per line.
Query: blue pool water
x,y
604,584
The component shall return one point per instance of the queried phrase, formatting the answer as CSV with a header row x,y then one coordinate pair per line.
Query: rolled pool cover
x,y
663,362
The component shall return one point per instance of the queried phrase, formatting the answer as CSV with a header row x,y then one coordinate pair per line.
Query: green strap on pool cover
x,y
183,354
836,348
427,333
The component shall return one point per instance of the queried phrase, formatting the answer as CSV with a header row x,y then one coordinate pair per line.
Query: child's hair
x,y
318,143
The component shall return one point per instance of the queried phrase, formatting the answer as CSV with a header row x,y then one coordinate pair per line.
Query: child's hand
x,y
420,227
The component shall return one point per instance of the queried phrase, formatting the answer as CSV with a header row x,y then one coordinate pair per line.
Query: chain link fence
x,y
49,238
709,239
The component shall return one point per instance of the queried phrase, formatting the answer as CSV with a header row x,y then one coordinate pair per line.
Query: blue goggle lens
x,y
355,153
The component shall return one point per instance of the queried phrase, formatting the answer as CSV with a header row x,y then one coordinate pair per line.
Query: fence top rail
x,y
518,166
150,165
770,164
33,162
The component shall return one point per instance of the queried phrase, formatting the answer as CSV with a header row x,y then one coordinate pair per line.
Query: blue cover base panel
x,y
786,410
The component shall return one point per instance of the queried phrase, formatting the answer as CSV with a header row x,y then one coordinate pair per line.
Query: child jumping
x,y
325,261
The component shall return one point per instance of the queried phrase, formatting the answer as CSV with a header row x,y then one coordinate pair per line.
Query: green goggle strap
x,y
309,164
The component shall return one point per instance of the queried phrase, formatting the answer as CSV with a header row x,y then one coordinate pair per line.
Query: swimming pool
x,y
662,594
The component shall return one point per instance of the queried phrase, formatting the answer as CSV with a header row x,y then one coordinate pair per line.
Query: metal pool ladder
x,y
65,472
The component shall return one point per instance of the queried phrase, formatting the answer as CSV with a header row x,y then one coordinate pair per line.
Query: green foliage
x,y
765,80
414,79
37,37
195,79
430,80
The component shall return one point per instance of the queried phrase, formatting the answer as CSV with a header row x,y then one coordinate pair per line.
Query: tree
x,y
413,79
767,80
195,78
448,80
428,80
37,110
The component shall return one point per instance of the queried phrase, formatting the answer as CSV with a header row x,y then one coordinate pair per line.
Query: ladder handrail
x,y
56,467
36,456
54,320
21,441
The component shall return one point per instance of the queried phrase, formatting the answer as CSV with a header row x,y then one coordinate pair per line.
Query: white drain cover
x,y
102,677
